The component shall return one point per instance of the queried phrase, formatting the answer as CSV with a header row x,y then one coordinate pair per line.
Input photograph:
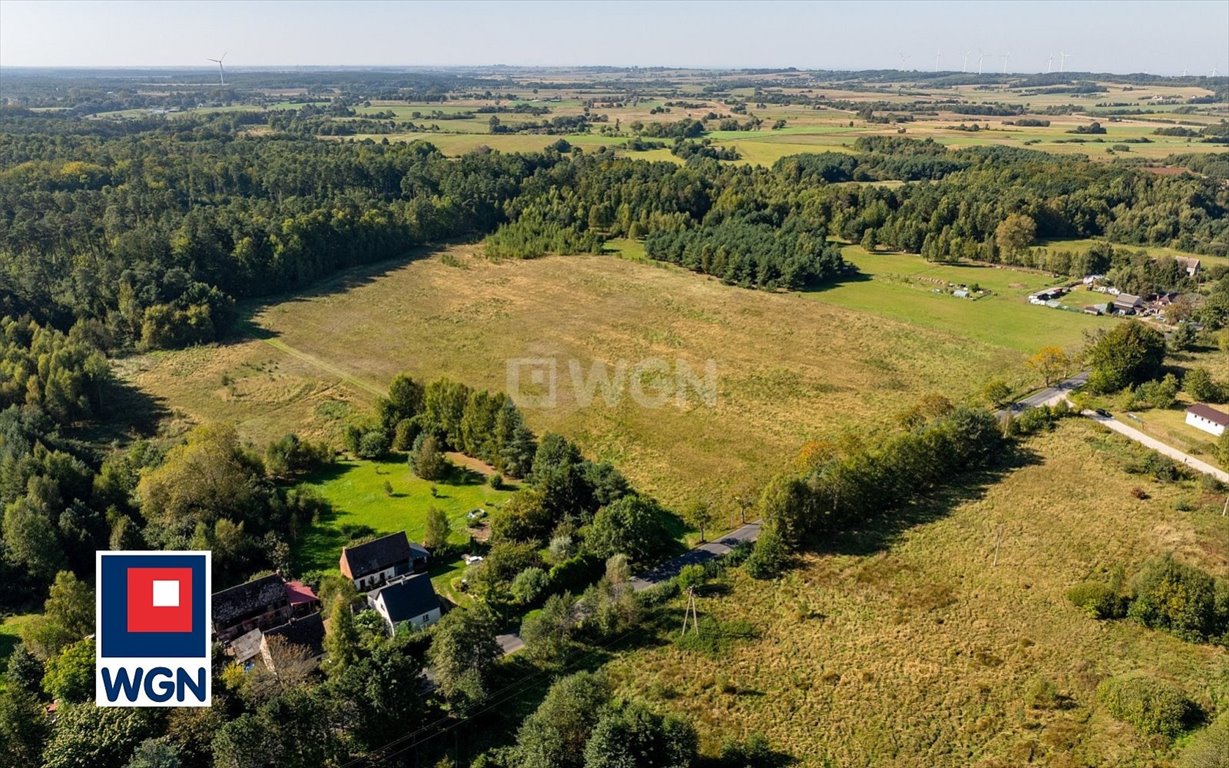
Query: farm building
x,y
257,604
307,633
1190,265
1128,304
370,565
1207,418
409,599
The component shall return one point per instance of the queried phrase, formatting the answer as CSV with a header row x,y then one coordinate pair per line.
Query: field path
x,y
324,365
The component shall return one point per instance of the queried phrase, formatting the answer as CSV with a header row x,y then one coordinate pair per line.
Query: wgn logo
x,y
152,619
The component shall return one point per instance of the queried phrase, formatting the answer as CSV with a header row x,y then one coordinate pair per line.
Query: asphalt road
x,y
1049,395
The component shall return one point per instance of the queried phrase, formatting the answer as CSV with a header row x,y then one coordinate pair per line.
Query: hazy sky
x,y
1162,36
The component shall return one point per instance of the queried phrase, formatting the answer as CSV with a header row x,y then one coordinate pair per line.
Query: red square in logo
x,y
159,599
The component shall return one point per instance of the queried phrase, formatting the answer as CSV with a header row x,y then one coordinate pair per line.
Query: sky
x,y
1157,36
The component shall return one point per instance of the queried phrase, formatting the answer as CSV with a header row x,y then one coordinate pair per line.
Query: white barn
x,y
1207,418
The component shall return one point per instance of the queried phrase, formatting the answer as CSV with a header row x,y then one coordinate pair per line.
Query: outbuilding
x,y
1207,418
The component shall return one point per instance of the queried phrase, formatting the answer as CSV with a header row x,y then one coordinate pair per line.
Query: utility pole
x,y
691,616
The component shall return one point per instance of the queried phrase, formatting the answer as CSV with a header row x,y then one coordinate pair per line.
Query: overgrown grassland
x,y
789,367
921,653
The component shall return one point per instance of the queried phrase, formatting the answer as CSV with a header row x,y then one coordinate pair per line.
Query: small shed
x,y
1207,418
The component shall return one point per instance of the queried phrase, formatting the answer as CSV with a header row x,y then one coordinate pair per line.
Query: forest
x,y
148,232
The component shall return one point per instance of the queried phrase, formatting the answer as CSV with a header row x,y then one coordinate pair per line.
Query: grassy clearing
x,y
920,653
10,635
900,287
363,507
1082,245
790,367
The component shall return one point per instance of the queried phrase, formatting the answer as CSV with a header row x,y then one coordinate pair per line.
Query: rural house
x,y
1207,418
1190,265
371,564
1128,304
303,601
410,599
306,632
258,604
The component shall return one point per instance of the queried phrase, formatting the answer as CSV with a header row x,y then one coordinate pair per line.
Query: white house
x,y
410,599
1207,418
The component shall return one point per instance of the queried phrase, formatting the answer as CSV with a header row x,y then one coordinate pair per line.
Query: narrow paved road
x,y
1200,466
1049,395
511,642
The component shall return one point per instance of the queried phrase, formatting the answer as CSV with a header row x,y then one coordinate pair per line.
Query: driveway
x,y
1199,466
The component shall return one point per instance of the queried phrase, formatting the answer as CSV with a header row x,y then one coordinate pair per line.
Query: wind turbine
x,y
938,55
221,72
1062,62
1006,56
1050,64
980,55
965,66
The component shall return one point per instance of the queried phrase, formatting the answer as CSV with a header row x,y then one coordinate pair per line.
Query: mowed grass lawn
x,y
364,508
920,652
901,287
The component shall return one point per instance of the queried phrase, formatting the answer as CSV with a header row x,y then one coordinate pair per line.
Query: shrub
x,y
1042,694
404,434
1176,597
496,481
1208,748
769,556
1155,707
373,444
529,584
690,576
1097,599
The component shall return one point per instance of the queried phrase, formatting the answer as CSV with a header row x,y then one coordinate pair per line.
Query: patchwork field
x,y
920,650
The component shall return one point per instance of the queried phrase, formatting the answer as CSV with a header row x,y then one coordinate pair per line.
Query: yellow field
x,y
920,654
789,367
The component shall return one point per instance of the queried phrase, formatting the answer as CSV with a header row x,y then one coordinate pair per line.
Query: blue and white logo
x,y
152,621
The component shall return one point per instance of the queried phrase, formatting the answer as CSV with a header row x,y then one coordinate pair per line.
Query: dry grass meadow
x,y
919,652
789,367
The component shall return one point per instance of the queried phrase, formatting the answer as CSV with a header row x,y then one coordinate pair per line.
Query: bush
x,y
1178,598
1097,599
373,444
1042,694
1208,748
1155,707
769,557
496,481
404,434
690,576
529,585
